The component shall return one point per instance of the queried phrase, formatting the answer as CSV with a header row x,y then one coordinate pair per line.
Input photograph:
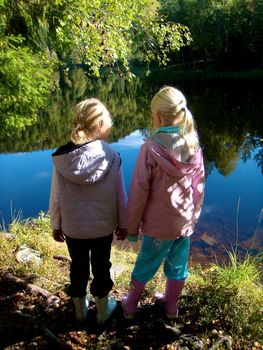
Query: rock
x,y
208,239
26,254
224,343
214,334
7,235
133,328
190,341
116,271
166,329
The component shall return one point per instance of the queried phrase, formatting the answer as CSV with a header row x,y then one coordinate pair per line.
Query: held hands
x,y
121,233
58,235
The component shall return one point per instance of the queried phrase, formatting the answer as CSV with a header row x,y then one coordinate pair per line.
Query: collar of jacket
x,y
167,130
69,147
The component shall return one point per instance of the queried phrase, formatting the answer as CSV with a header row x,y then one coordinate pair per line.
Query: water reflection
x,y
228,115
228,118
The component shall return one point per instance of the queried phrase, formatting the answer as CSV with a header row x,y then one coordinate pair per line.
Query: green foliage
x,y
94,34
97,33
230,297
222,31
25,84
239,273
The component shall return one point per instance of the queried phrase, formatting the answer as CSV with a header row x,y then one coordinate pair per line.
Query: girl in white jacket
x,y
87,204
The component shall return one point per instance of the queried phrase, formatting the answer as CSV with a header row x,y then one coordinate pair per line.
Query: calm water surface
x,y
230,133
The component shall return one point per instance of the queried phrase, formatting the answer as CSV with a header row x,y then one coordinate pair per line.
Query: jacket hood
x,y
85,164
170,151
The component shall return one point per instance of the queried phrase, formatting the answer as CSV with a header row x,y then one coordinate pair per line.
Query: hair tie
x,y
179,108
183,106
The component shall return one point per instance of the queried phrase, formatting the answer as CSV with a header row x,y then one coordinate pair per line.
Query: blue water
x,y
229,201
239,195
24,184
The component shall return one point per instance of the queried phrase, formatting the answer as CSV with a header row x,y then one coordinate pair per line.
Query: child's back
x,y
87,178
171,205
165,199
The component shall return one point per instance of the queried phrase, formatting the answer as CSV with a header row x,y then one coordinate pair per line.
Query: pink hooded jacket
x,y
167,189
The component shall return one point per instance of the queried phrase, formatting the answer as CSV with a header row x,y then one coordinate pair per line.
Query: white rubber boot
x,y
81,308
105,308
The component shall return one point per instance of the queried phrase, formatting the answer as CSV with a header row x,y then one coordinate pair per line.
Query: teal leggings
x,y
153,251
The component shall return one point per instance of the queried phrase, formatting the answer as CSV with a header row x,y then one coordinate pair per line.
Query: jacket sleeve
x,y
198,185
121,201
139,191
54,203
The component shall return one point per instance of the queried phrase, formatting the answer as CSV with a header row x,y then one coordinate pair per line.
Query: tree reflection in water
x,y
228,115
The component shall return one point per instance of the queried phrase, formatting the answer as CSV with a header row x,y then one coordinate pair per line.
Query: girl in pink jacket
x,y
165,199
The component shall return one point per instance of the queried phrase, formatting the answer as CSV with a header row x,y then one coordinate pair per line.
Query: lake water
x,y
230,129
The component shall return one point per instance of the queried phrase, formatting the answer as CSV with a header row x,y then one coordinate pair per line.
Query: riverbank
x,y
174,73
221,306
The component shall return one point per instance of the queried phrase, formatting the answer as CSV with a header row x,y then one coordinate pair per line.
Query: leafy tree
x,y
222,31
24,84
97,33
93,34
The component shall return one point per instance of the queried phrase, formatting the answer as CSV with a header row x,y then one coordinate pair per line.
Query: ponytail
x,y
188,131
170,103
88,115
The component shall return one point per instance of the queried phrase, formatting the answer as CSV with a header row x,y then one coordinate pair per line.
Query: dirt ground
x,y
28,322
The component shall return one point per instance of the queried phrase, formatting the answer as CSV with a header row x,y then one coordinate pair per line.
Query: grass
x,y
36,234
228,298
240,273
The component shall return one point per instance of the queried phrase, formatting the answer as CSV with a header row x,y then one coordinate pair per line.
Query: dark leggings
x,y
82,252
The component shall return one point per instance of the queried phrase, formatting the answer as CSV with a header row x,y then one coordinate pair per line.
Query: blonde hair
x,y
89,113
171,105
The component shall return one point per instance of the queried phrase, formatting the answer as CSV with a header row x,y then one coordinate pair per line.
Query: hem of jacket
x,y
87,236
165,236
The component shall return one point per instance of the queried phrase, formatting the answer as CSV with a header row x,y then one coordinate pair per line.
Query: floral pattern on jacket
x,y
167,189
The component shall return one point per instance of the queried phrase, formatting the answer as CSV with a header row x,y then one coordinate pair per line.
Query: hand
x,y
58,235
121,233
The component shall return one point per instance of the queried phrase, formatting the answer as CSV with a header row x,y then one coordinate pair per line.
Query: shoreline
x,y
173,72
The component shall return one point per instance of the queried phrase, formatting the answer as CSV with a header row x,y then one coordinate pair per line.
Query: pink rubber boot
x,y
172,292
130,301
